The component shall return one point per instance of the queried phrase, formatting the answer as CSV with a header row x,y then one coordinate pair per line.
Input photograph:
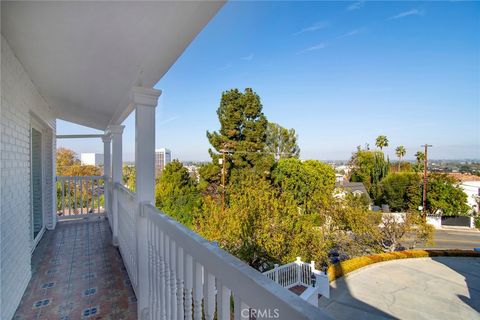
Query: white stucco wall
x,y
20,101
472,189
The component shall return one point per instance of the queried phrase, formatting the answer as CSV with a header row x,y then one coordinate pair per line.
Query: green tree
x,y
65,159
176,193
410,230
369,167
243,130
349,228
129,174
258,224
420,157
281,142
381,142
444,194
241,140
400,151
304,180
402,191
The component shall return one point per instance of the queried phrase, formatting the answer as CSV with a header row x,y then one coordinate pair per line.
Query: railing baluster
x,y
62,183
93,196
180,278
166,260
156,273
237,307
209,295
188,286
87,201
223,303
74,195
81,195
98,195
198,292
173,283
69,198
151,302
163,314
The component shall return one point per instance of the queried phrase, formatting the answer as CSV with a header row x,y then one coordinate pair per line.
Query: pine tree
x,y
282,142
242,134
176,193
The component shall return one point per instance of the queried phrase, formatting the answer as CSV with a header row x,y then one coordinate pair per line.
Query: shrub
x,y
344,267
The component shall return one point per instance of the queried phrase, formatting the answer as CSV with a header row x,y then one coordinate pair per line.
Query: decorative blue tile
x,y
48,285
54,256
90,312
51,271
41,303
90,292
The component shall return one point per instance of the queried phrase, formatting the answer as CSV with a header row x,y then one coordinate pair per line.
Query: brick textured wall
x,y
20,101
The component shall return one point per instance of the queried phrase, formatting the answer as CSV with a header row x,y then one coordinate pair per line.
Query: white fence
x,y
189,276
299,273
79,196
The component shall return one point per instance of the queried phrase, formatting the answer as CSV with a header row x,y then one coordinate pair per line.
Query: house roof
x,y
84,56
352,186
463,177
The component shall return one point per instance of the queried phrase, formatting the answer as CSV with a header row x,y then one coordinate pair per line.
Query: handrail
x,y
124,189
80,177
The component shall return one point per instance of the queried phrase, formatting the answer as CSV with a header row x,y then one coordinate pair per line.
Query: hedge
x,y
342,268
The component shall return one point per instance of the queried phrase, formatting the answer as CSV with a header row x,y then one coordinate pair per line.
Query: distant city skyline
x,y
340,74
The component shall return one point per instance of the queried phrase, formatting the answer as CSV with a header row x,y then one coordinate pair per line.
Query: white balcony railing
x,y
300,273
189,276
127,240
79,196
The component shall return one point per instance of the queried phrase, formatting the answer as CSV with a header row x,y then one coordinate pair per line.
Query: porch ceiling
x,y
84,57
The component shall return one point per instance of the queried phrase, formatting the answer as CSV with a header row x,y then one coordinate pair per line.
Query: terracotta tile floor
x,y
298,289
78,274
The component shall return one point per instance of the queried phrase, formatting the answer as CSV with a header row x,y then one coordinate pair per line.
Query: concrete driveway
x,y
428,288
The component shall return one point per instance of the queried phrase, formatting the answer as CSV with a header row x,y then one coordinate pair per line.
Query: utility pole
x,y
224,169
425,171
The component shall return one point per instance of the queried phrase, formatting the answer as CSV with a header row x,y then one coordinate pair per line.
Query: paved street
x,y
429,288
456,239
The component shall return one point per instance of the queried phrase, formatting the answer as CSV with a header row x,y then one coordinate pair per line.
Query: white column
x,y
116,132
145,100
106,173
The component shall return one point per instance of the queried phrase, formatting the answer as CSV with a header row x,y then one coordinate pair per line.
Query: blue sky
x,y
340,73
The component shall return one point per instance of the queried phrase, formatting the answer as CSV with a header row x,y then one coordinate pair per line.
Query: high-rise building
x,y
163,157
92,159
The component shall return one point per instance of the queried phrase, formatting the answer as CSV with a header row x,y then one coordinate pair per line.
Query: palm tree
x,y
381,142
400,151
420,159
420,156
